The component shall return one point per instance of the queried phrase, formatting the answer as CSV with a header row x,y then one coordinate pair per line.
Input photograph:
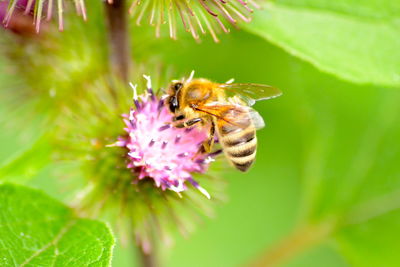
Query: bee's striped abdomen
x,y
239,143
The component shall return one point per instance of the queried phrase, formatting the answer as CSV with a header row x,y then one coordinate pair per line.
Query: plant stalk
x,y
147,259
118,38
299,241
119,62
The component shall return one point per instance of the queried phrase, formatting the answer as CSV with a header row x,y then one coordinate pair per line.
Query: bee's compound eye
x,y
172,107
178,86
173,104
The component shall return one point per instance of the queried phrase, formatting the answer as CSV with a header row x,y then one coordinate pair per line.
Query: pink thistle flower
x,y
157,150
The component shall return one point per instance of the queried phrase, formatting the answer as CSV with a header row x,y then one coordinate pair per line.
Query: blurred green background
x,y
325,189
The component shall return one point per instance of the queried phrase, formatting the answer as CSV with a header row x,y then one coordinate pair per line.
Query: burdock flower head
x,y
156,150
198,16
140,172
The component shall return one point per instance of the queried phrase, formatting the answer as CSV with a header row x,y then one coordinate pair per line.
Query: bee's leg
x,y
178,118
193,121
209,143
188,123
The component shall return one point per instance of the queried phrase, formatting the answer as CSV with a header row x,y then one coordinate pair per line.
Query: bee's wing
x,y
256,118
250,92
233,114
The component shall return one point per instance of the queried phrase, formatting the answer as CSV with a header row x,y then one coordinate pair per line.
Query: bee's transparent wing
x,y
250,92
256,118
231,113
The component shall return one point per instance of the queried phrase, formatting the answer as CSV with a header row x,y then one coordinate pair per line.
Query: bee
x,y
226,108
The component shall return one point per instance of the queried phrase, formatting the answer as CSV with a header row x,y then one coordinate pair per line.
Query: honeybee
x,y
227,109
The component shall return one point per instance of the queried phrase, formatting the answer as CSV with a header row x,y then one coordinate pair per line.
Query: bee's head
x,y
173,91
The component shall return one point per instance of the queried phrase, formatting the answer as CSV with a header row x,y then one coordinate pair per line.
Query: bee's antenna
x,y
191,76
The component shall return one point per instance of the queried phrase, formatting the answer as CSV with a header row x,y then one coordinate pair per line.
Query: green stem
x,y
373,208
118,36
147,259
313,234
302,239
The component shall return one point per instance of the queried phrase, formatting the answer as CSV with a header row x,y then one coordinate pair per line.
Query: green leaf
x,y
341,38
369,9
37,230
